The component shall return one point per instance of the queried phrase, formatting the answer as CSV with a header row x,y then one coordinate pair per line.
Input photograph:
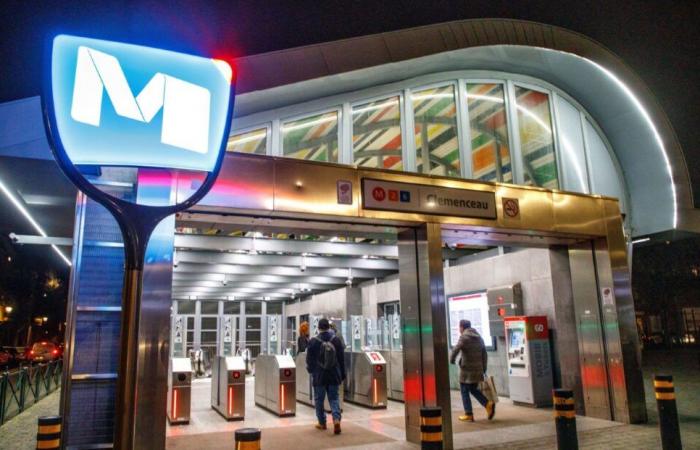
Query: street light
x,y
8,309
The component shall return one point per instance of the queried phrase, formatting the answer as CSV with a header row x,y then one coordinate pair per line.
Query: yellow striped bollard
x,y
49,433
565,419
248,439
668,414
431,428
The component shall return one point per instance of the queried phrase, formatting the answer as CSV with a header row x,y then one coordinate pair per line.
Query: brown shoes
x,y
321,426
491,409
336,427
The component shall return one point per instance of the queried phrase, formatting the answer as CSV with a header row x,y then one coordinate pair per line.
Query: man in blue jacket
x,y
325,361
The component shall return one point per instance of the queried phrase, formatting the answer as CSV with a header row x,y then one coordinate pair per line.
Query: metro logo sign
x,y
185,105
118,104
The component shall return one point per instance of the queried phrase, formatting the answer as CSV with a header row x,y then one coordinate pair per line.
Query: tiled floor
x,y
515,427
374,428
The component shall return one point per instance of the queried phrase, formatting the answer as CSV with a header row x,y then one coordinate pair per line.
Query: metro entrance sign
x,y
418,198
179,120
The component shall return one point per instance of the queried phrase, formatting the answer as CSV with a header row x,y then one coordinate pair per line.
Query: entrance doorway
x,y
300,270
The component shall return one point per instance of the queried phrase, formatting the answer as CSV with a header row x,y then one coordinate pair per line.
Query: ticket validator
x,y
179,391
275,384
228,387
529,361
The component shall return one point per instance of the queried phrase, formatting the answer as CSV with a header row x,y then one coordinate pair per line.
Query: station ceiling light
x,y
20,207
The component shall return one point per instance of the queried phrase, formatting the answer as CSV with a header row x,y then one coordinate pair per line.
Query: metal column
x,y
423,308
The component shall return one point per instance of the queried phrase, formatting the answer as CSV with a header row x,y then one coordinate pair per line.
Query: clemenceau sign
x,y
406,197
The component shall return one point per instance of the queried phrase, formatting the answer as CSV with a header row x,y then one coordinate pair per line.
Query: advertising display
x,y
473,307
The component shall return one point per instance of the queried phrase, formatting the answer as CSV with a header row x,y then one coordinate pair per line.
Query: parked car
x,y
43,351
6,358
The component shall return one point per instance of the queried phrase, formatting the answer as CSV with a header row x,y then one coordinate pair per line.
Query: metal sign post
x,y
178,121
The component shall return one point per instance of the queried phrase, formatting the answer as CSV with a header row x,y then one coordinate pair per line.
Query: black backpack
x,y
326,355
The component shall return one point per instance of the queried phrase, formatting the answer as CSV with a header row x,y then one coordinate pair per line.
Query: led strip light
x,y
31,220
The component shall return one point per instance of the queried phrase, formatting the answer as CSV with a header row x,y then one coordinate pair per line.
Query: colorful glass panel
x,y
435,132
536,140
254,141
314,138
376,134
490,150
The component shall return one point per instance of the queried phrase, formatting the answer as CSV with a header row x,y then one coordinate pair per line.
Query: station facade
x,y
382,182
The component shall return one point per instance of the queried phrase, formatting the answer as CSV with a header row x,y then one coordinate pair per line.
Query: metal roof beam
x,y
286,260
230,243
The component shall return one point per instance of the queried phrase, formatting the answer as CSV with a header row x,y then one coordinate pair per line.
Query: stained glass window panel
x,y
490,149
435,133
376,134
536,140
314,138
254,141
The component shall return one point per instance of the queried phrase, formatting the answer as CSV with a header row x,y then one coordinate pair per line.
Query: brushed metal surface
x,y
426,371
578,214
624,358
592,359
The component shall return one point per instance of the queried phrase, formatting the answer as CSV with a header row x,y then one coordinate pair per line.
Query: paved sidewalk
x,y
19,433
684,365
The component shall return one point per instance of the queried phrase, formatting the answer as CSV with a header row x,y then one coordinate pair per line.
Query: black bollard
x,y
565,419
431,428
247,438
668,414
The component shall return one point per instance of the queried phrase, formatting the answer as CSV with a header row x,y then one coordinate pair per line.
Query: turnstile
x,y
179,390
366,382
228,386
275,384
304,389
305,392
394,374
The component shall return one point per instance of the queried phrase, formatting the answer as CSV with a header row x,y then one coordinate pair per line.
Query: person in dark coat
x,y
326,381
303,339
472,367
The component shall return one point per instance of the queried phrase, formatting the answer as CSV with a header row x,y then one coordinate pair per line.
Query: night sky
x,y
660,40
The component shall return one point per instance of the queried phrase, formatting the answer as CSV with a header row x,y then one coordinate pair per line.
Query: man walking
x,y
325,362
472,367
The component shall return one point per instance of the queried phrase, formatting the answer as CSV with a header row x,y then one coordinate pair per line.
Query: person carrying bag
x,y
472,367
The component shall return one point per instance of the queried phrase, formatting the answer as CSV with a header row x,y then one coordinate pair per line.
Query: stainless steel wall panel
x,y
624,357
426,371
591,350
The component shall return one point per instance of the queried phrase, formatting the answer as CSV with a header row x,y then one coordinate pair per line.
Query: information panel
x,y
473,307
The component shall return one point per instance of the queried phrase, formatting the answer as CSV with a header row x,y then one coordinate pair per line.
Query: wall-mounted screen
x,y
473,307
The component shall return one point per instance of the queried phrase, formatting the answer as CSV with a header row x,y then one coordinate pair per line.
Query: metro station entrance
x,y
278,243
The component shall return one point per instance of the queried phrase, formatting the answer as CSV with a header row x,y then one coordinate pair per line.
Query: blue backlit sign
x,y
126,105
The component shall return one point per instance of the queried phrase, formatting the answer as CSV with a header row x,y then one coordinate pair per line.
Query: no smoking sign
x,y
511,207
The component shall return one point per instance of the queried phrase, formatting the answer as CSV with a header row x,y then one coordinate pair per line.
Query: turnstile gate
x,y
394,374
366,382
228,387
275,384
179,390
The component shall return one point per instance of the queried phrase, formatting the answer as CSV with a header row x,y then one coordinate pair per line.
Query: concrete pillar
x,y
424,315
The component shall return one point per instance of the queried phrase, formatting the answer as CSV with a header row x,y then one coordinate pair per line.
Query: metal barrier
x,y
27,385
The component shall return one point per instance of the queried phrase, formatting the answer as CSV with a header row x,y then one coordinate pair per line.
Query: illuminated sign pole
x,y
178,121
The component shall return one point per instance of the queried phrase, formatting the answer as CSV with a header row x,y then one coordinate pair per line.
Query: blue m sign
x,y
176,120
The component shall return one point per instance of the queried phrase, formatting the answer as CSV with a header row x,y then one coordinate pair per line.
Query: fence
x,y
25,386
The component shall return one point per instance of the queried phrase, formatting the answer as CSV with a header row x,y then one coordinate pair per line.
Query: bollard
x,y
565,419
49,435
668,414
248,439
431,428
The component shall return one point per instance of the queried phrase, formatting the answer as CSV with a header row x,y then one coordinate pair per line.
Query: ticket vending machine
x,y
228,387
275,384
179,391
529,360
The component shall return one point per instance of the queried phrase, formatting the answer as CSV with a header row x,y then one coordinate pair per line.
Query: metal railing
x,y
25,386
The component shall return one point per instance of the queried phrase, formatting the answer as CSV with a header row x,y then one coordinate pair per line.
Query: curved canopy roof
x,y
643,140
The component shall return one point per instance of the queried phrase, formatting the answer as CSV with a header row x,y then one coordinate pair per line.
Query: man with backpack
x,y
325,361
